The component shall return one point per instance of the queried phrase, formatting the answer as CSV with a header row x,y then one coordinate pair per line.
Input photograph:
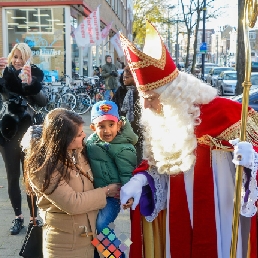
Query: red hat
x,y
153,67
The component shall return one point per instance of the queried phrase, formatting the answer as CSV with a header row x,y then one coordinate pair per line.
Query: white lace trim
x,y
160,196
248,209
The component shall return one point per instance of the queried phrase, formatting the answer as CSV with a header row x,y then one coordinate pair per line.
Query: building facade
x,y
224,43
208,40
46,26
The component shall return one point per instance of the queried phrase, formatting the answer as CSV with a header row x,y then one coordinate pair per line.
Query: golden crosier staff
x,y
250,17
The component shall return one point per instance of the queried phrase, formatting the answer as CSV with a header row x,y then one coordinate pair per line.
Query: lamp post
x,y
203,37
217,37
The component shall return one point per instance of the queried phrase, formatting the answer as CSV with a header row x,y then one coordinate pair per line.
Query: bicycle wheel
x,y
83,103
68,101
54,101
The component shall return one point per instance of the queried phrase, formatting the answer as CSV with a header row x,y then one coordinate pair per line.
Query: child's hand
x,y
128,204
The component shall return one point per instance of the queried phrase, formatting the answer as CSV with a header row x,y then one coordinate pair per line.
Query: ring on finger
x,y
239,157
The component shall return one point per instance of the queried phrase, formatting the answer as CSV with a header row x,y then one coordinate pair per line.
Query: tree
x,y
192,18
156,11
153,10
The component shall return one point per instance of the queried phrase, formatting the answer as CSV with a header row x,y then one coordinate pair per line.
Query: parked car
x,y
254,80
182,66
226,83
206,71
213,74
253,98
198,68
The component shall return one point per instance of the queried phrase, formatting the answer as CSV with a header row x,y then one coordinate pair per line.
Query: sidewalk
x,y
10,245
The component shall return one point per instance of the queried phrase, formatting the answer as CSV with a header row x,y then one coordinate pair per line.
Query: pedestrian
x,y
19,118
187,174
127,98
119,63
57,170
109,74
119,95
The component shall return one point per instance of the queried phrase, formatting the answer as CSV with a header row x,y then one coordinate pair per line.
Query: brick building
x,y
46,26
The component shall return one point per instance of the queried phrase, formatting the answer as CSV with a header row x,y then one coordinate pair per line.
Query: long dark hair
x,y
59,129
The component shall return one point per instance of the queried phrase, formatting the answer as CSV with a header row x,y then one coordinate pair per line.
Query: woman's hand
x,y
113,190
3,63
27,71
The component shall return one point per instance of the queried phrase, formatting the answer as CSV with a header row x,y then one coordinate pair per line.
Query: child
x,y
111,154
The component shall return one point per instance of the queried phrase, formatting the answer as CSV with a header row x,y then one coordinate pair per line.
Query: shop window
x,y
118,10
32,20
124,16
116,6
113,4
43,29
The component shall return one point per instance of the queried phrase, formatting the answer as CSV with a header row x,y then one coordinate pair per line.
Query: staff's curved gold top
x,y
250,17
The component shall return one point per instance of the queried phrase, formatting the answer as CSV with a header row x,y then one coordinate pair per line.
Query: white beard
x,y
169,142
169,139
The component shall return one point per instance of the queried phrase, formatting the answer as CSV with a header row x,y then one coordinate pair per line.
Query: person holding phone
x,y
18,94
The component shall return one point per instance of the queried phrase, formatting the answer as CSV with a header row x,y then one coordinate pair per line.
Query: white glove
x,y
133,189
243,153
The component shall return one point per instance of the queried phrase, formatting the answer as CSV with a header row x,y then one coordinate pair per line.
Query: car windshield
x,y
230,76
254,79
217,71
207,69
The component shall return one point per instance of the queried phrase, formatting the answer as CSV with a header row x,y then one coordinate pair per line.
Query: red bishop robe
x,y
220,122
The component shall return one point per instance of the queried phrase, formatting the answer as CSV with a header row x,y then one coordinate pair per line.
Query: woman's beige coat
x,y
69,212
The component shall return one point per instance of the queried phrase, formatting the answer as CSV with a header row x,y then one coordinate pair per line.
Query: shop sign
x,y
46,52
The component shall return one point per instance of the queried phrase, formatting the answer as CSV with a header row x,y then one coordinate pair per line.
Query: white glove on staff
x,y
243,153
133,189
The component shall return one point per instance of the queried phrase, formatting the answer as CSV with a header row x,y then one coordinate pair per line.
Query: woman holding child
x,y
58,172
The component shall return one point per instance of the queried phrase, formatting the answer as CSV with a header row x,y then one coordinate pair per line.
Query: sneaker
x,y
38,222
17,226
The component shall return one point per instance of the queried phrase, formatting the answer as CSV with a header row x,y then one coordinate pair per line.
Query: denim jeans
x,y
107,215
107,94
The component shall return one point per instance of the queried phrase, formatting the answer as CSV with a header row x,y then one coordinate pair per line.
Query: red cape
x,y
216,117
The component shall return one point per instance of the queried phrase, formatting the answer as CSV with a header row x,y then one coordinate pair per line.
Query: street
x,y
10,245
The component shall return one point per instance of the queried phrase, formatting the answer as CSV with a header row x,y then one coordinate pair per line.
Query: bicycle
x,y
89,94
57,97
94,88
83,100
